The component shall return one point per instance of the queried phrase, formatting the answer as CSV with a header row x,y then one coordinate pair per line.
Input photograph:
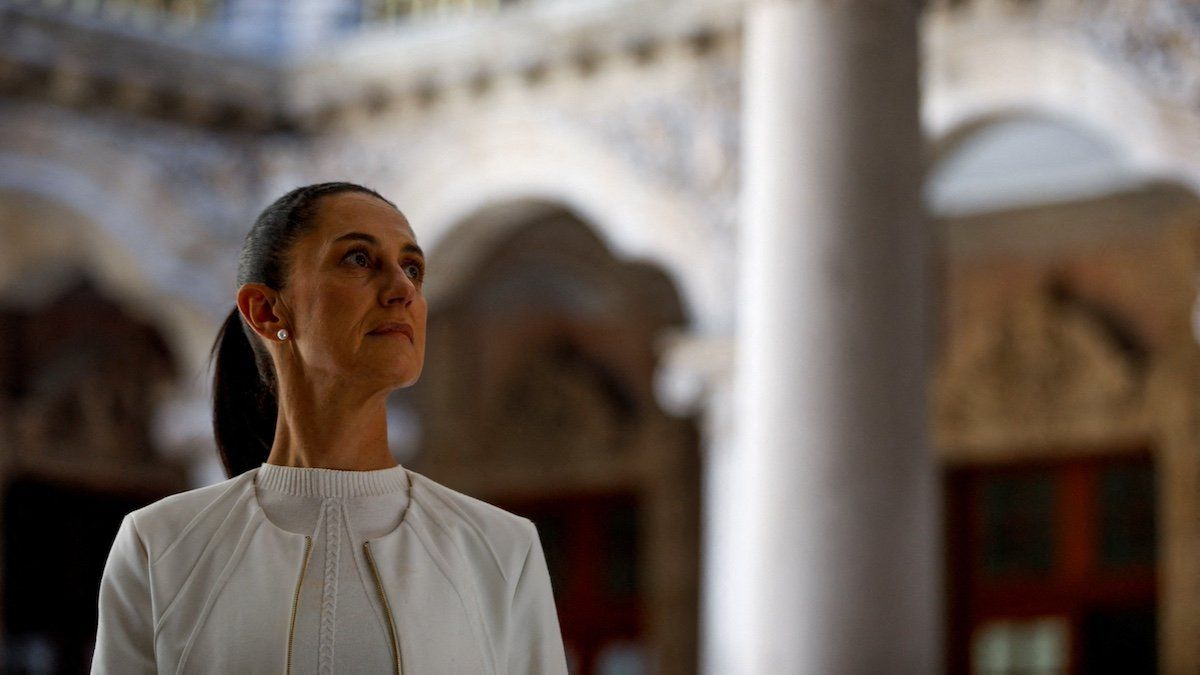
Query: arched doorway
x,y
80,379
1064,298
537,396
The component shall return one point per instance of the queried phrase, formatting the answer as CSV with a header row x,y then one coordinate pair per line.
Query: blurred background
x,y
1002,194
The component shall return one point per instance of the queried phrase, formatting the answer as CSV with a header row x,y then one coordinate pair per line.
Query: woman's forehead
x,y
346,212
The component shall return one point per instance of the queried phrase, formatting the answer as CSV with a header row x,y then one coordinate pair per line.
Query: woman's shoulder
x,y
467,518
174,515
456,506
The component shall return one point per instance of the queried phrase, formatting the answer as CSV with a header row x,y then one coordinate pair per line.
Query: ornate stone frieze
x,y
1156,41
689,138
1160,39
1046,371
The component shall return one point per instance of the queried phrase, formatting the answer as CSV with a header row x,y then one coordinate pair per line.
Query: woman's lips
x,y
394,330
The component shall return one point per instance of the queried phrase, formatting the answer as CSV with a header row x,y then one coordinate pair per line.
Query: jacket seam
x,y
195,521
230,517
478,626
141,542
214,592
524,564
483,536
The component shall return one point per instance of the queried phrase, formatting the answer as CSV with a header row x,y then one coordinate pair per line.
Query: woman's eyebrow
x,y
363,236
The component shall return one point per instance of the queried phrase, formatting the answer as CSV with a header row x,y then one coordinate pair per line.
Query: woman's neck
x,y
334,431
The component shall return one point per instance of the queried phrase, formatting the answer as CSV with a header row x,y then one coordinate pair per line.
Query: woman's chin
x,y
398,379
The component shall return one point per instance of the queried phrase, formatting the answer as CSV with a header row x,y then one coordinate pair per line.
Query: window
x,y
1052,567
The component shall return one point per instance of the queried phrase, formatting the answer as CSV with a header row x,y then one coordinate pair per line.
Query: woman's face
x,y
358,269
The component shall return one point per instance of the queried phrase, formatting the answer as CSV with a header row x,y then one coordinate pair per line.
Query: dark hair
x,y
245,402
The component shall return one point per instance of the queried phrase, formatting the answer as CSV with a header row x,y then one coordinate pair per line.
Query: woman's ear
x,y
257,303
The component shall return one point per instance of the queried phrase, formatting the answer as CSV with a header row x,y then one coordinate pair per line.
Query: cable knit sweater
x,y
339,614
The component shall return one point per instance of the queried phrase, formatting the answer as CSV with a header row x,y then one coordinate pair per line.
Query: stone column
x,y
831,555
695,379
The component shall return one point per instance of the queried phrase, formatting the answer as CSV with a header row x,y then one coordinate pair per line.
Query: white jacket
x,y
465,585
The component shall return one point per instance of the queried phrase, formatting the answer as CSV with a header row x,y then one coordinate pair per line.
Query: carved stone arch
x,y
976,74
578,328
91,374
64,221
474,182
950,140
58,225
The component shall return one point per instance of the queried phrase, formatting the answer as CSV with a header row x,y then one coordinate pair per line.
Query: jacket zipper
x,y
387,609
296,602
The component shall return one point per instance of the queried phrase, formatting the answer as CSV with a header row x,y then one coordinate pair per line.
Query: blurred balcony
x,y
265,65
173,16
208,62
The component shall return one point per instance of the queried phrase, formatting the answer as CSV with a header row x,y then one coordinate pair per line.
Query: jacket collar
x,y
249,493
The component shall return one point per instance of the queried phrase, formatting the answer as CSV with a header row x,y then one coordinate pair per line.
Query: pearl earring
x,y
282,334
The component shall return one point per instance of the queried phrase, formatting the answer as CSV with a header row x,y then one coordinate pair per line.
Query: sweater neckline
x,y
313,482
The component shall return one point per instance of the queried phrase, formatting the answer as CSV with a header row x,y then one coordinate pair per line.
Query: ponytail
x,y
245,403
245,407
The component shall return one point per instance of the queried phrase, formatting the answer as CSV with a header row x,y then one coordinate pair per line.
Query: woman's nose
x,y
399,286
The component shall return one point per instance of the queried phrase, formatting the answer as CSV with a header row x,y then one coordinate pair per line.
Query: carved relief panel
x,y
84,381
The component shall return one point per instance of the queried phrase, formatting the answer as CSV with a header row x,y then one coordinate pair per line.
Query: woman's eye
x,y
358,255
417,271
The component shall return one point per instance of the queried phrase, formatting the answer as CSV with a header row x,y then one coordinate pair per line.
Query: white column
x,y
831,549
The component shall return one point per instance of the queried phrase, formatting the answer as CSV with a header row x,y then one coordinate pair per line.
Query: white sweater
x,y
315,570
340,623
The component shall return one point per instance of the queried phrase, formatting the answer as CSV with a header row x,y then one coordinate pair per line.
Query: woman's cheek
x,y
334,311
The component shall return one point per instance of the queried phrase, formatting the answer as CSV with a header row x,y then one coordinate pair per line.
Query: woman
x,y
320,553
